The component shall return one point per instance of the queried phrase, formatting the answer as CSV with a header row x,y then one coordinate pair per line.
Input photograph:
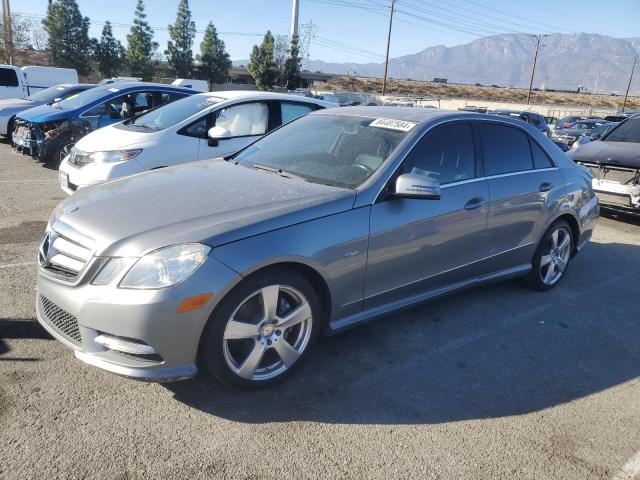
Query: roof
x,y
234,94
133,85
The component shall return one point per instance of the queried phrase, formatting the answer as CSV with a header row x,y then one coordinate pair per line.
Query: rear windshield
x,y
85,98
47,94
173,113
338,150
628,132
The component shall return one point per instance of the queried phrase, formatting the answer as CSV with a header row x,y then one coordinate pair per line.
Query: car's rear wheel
x,y
262,330
552,257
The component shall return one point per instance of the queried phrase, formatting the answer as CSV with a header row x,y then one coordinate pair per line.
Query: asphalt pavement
x,y
494,382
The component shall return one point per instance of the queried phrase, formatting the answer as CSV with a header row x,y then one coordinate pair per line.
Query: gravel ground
x,y
496,382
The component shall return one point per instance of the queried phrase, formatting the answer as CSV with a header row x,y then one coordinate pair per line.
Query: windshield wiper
x,y
143,125
279,171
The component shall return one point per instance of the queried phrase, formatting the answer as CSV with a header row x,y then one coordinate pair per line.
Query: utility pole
x,y
595,84
8,31
626,95
533,69
386,60
295,10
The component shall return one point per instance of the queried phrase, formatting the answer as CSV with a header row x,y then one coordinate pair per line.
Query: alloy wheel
x,y
555,256
267,332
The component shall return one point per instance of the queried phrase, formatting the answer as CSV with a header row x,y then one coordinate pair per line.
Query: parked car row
x,y
235,265
199,127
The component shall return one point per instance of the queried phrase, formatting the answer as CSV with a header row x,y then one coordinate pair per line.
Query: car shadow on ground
x,y
492,351
19,329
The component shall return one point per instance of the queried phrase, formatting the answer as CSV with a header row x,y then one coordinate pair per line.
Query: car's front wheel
x,y
552,257
261,330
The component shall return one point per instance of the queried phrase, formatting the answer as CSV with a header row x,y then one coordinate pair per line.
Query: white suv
x,y
199,127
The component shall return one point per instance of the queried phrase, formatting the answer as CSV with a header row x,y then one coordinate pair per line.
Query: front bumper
x,y
78,315
74,178
616,186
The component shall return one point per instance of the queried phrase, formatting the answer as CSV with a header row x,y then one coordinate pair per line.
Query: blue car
x,y
10,107
49,131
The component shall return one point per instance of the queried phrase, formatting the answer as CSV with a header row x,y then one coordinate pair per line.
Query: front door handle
x,y
545,186
475,202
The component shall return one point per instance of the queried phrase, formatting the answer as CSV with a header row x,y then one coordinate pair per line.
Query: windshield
x,y
47,94
85,98
175,112
628,131
336,150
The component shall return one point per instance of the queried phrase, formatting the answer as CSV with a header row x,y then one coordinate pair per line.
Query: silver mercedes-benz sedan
x,y
235,266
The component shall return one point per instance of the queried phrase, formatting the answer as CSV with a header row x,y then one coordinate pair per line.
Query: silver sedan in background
x,y
236,266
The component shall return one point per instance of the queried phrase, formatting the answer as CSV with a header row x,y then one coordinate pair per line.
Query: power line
x,y
506,14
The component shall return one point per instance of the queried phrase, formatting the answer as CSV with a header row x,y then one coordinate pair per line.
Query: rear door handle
x,y
475,202
545,186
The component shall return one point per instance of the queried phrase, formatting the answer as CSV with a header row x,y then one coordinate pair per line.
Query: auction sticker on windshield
x,y
392,124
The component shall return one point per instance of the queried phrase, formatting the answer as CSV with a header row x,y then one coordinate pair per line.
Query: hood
x,y
114,138
620,154
46,113
17,103
212,202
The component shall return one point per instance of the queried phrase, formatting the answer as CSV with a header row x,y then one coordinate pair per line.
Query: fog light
x,y
120,344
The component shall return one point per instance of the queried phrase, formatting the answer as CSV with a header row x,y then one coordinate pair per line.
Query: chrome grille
x,y
65,253
64,322
620,175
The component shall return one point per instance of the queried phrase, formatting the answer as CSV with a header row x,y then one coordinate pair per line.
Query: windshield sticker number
x,y
392,124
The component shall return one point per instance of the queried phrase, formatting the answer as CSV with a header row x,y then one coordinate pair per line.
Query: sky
x,y
360,26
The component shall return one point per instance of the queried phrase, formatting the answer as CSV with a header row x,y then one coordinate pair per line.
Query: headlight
x,y
80,158
166,267
115,156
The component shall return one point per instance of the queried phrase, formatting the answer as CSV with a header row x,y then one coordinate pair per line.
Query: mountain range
x,y
565,61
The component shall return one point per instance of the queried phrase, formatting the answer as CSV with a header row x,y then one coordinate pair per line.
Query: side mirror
x,y
596,136
216,134
413,185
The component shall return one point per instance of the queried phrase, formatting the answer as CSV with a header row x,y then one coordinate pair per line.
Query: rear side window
x,y
291,111
506,149
8,78
168,97
540,158
446,154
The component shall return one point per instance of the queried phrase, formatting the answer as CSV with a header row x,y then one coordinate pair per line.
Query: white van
x,y
197,85
20,82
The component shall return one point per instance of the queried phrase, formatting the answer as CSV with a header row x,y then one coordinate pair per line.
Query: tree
x,y
261,63
108,53
292,65
20,37
213,61
141,48
179,53
68,33
280,55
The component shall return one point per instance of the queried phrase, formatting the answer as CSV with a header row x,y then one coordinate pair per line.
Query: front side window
x,y
506,149
446,154
244,119
291,111
8,77
338,150
628,132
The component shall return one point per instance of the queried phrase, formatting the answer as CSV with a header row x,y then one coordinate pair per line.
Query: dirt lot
x,y
496,382
411,87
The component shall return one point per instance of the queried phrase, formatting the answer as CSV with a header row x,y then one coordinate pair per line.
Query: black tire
x,y
211,355
535,279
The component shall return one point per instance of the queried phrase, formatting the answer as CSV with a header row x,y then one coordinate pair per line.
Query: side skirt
x,y
397,305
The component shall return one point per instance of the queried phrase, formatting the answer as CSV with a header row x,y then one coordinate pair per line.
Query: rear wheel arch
x,y
575,228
